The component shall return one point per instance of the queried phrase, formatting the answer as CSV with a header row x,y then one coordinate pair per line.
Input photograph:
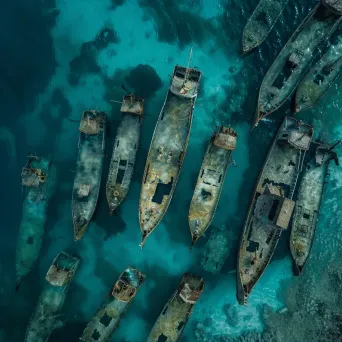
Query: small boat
x,y
124,151
308,202
261,23
295,58
272,205
88,170
47,317
176,313
320,77
210,181
168,147
37,185
107,318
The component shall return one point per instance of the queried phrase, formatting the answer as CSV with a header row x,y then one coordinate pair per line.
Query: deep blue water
x,y
54,66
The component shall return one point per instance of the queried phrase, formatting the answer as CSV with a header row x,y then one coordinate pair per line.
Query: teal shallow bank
x,y
90,67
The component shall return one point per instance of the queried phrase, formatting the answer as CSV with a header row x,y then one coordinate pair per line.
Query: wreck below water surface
x,y
290,66
46,317
272,205
107,318
167,150
124,151
308,202
171,322
88,170
210,181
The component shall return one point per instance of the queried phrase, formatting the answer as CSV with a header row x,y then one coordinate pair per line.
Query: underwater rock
x,y
231,314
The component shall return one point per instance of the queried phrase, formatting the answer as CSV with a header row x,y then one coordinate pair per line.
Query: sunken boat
x,y
210,181
107,318
308,202
272,206
47,317
320,77
168,147
37,179
88,170
171,322
261,23
295,58
124,151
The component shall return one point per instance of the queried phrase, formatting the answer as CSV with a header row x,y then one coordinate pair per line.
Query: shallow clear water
x,y
48,76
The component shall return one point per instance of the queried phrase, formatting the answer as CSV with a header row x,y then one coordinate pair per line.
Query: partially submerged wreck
x,y
88,170
272,205
295,58
320,77
210,181
124,151
168,147
107,318
308,202
176,313
261,23
46,317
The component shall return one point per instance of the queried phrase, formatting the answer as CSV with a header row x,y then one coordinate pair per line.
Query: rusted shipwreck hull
x,y
308,202
107,318
210,181
272,205
88,170
261,23
176,313
295,58
124,151
46,317
167,150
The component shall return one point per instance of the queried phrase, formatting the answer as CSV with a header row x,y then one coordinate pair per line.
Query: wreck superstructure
x,y
320,77
168,147
46,317
107,318
210,181
308,202
124,151
176,313
88,170
294,59
261,23
272,205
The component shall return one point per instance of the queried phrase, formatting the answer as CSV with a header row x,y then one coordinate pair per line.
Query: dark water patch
x,y
117,3
71,331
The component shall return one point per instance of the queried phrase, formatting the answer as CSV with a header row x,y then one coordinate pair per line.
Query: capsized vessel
x,y
107,318
320,77
124,151
308,202
294,59
261,23
176,313
168,147
88,170
272,205
210,181
46,317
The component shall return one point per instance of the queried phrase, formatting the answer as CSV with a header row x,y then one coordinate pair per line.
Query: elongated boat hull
x,y
272,206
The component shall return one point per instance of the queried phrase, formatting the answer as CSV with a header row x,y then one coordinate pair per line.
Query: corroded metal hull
x,y
295,58
319,78
88,170
272,206
107,318
46,317
210,181
167,150
124,151
176,313
261,23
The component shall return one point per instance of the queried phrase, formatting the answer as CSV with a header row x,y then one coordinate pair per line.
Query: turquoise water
x,y
55,65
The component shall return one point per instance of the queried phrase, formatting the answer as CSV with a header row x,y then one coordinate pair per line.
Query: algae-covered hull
x,y
272,205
